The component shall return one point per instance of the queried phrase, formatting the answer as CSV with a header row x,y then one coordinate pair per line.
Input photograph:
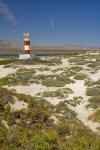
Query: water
x,y
9,55
17,55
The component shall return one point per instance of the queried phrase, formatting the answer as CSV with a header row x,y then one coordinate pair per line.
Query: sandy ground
x,y
32,89
78,88
5,71
95,76
18,105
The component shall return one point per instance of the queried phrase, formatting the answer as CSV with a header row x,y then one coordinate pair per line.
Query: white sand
x,y
18,105
48,72
53,100
32,89
65,63
95,76
5,71
82,112
55,119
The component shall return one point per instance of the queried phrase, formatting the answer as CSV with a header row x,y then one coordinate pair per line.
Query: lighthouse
x,y
26,54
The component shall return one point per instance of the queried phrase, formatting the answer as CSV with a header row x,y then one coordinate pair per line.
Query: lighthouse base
x,y
26,56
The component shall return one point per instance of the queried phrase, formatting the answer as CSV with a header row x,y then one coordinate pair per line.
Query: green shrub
x,y
4,81
85,142
80,76
68,73
7,61
75,101
88,82
21,77
94,91
95,117
61,93
61,107
3,133
53,83
98,128
94,65
46,141
38,60
94,102
59,81
34,128
43,69
76,68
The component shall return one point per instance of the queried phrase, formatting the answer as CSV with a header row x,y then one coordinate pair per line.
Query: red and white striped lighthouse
x,y
27,43
26,54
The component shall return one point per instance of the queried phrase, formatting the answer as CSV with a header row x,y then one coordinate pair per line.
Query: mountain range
x,y
6,45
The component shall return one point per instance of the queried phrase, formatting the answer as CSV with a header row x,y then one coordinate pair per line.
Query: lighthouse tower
x,y
26,54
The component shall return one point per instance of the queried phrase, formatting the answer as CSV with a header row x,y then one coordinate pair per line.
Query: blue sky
x,y
51,22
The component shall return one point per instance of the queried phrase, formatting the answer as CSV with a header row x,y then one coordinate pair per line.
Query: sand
x,y
18,105
78,88
95,76
82,112
6,71
32,89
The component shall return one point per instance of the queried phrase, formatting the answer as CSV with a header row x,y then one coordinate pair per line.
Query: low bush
x,y
94,91
57,81
43,69
80,76
34,128
95,117
94,102
98,128
68,73
61,93
38,60
21,77
75,101
76,68
8,61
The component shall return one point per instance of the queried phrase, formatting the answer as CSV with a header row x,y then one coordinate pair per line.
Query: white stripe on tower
x,y
26,47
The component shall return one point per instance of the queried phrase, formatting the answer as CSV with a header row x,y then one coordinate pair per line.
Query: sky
x,y
51,22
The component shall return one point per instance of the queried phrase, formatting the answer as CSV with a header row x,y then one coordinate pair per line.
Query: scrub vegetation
x,y
95,117
42,125
27,76
38,60
94,102
60,94
93,91
8,61
34,128
75,101
80,76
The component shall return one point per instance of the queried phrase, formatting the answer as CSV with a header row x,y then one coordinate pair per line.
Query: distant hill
x,y
15,46
8,45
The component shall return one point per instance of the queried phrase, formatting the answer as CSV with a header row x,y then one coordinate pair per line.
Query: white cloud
x,y
4,10
52,22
